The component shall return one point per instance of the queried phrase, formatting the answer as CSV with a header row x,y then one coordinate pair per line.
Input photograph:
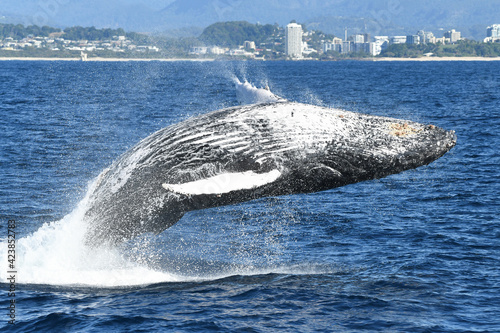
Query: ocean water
x,y
413,252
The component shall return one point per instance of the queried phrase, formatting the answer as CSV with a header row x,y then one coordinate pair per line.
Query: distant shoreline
x,y
439,59
95,59
98,59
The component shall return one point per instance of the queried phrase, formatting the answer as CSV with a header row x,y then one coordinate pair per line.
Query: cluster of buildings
x,y
296,45
248,50
56,43
492,34
422,37
362,43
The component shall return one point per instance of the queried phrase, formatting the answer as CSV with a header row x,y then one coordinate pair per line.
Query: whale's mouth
x,y
452,140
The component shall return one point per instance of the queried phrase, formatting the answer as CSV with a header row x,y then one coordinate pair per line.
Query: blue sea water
x,y
414,252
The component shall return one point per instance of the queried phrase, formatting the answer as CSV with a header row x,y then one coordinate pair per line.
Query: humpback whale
x,y
247,152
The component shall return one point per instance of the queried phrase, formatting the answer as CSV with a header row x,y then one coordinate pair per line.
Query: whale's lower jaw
x,y
249,152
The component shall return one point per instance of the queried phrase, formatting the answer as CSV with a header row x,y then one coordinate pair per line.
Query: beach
x,y
439,59
193,59
98,59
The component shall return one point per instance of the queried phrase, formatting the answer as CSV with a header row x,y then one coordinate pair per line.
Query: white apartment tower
x,y
293,47
493,31
453,35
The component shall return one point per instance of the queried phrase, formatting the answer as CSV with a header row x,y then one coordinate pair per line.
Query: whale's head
x,y
327,148
248,152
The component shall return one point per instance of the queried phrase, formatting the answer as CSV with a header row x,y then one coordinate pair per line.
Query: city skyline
x,y
295,40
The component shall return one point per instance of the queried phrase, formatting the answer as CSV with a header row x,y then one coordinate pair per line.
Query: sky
x,y
70,12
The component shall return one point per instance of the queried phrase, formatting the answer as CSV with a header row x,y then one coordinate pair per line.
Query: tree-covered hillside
x,y
232,34
460,49
19,31
94,34
78,33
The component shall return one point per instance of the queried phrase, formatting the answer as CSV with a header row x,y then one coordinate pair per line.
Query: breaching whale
x,y
248,152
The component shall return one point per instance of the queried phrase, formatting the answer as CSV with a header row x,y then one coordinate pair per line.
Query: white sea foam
x,y
56,254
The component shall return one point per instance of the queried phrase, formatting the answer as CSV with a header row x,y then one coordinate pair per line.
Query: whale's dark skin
x,y
249,152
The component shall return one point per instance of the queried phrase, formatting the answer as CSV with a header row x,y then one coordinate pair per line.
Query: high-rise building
x,y
380,44
453,35
493,31
293,47
334,45
361,47
249,45
347,47
398,39
426,37
358,38
413,39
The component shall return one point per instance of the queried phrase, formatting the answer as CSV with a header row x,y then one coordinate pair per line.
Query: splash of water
x,y
56,254
249,94
247,80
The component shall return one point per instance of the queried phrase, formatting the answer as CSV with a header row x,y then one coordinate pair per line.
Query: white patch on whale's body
x,y
225,183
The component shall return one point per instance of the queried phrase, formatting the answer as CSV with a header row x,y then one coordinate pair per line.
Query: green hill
x,y
19,31
463,48
232,34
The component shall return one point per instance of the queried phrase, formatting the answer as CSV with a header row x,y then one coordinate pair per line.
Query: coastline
x,y
97,59
94,59
439,59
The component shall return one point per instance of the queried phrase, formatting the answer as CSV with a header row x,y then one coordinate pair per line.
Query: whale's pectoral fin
x,y
225,183
324,171
313,177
